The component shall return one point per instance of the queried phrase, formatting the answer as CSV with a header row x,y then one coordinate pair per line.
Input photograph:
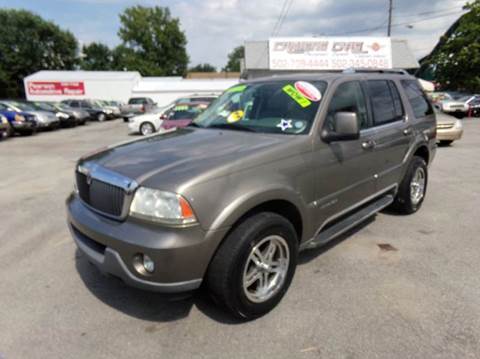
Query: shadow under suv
x,y
272,167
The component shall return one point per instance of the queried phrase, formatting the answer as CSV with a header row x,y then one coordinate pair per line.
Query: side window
x,y
73,103
418,100
348,97
385,100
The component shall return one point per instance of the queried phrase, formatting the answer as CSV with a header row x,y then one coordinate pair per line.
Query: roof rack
x,y
352,70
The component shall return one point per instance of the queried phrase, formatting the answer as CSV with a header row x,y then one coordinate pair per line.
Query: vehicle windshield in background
x,y
285,107
22,106
187,112
136,101
44,106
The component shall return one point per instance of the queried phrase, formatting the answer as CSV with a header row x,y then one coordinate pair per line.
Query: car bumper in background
x,y
452,134
181,255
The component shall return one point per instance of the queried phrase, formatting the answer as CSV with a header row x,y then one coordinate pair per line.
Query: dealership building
x,y
117,85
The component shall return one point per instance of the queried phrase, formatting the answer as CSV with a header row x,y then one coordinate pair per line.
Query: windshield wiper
x,y
232,126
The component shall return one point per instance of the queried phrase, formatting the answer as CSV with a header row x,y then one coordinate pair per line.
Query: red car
x,y
182,114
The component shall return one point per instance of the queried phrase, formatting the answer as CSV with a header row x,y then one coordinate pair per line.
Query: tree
x,y
203,68
28,44
456,58
234,57
152,42
96,57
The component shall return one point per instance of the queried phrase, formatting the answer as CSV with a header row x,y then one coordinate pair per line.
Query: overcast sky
x,y
214,27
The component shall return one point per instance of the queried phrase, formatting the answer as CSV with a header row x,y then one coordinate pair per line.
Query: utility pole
x,y
390,8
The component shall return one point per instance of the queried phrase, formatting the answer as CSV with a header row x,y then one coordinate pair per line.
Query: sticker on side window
x,y
296,96
235,116
238,88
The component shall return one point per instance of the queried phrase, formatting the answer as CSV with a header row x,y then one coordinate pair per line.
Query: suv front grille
x,y
101,196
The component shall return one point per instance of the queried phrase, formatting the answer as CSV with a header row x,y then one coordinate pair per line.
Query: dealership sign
x,y
56,88
330,53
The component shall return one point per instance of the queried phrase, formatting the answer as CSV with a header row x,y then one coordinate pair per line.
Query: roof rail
x,y
352,70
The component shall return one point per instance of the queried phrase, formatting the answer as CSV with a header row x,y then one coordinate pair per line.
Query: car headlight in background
x,y
62,115
161,206
19,118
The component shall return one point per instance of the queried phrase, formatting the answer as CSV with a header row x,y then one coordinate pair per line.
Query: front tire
x,y
254,266
413,188
101,117
147,128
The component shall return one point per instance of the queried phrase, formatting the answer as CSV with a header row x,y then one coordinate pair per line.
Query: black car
x,y
95,112
66,119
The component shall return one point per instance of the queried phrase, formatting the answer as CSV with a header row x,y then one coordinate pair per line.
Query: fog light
x,y
148,264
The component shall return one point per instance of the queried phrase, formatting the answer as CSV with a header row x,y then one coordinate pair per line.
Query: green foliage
x,y
152,42
234,57
97,57
456,59
203,68
29,44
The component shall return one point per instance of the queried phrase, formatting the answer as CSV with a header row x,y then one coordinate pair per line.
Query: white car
x,y
147,123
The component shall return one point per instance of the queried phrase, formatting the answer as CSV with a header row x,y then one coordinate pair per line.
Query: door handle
x,y
407,131
368,144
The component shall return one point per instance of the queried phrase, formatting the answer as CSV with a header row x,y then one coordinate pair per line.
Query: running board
x,y
344,225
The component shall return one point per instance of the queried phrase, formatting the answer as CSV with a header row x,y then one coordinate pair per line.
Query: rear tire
x,y
413,188
254,265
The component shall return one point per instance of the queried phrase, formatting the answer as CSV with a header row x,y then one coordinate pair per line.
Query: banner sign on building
x,y
330,53
56,88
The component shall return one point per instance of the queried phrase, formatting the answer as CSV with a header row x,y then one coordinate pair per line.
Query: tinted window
x,y
138,101
418,100
348,97
385,100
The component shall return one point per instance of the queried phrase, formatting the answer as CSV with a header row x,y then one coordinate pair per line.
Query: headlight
x,y
62,115
160,206
19,118
458,125
3,119
108,111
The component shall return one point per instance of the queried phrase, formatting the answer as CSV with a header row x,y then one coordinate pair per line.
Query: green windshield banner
x,y
296,96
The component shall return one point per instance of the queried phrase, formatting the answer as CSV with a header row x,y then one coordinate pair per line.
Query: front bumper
x,y
181,255
451,134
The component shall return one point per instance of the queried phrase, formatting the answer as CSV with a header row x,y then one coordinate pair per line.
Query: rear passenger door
x,y
391,132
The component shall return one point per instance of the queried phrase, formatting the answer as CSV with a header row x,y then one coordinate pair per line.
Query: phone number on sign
x,y
325,64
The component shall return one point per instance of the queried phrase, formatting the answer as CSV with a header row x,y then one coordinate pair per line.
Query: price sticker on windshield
x,y
296,96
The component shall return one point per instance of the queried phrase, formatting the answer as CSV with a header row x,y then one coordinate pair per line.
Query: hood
x,y
171,159
44,116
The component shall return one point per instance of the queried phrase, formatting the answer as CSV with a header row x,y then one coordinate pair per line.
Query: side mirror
x,y
163,116
346,128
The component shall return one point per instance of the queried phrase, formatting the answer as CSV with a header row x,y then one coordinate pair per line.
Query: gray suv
x,y
274,166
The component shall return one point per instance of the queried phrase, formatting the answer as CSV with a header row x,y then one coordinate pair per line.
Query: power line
x,y
427,13
285,14
426,19
279,18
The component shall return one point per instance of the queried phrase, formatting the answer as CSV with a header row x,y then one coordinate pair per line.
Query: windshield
x,y
22,106
185,112
44,106
284,107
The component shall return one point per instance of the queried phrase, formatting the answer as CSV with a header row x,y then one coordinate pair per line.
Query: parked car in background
x,y
66,119
4,127
96,112
45,120
274,166
113,106
182,114
197,98
20,122
109,110
147,123
137,105
81,116
449,129
459,105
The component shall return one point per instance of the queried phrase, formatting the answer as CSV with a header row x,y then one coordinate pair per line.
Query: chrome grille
x,y
101,196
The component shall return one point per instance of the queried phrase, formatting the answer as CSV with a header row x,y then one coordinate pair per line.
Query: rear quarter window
x,y
418,100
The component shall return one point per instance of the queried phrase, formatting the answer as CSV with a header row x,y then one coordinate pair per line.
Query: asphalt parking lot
x,y
417,298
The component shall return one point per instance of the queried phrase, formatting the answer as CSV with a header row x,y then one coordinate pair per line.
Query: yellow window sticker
x,y
181,108
296,96
238,88
235,116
